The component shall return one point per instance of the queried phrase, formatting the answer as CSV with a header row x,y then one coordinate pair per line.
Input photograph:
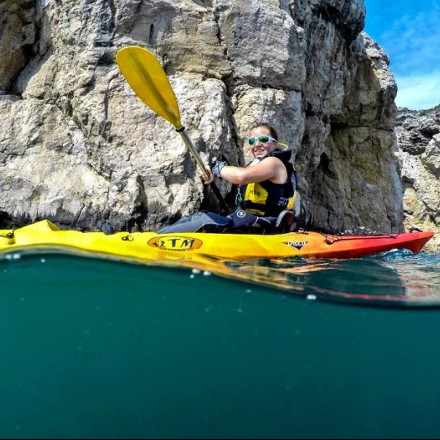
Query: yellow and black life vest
x,y
267,198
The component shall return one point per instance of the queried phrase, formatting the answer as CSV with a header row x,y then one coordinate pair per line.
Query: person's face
x,y
259,148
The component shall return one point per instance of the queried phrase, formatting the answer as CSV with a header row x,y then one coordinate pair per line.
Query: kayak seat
x,y
286,221
247,223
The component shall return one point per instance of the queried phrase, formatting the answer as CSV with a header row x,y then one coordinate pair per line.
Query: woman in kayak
x,y
267,199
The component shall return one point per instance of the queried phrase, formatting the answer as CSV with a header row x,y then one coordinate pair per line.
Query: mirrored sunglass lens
x,y
262,139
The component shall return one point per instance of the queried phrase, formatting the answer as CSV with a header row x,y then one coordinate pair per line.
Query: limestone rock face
x,y
78,147
17,35
418,135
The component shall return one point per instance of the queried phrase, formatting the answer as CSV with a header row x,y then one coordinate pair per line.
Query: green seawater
x,y
103,349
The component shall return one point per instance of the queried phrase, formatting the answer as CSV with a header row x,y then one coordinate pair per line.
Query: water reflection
x,y
397,278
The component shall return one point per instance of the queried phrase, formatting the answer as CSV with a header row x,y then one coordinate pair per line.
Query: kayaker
x,y
267,197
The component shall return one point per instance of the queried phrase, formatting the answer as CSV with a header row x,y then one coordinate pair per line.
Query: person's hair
x,y
272,130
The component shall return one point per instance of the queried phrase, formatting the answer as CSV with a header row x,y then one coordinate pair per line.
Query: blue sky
x,y
409,32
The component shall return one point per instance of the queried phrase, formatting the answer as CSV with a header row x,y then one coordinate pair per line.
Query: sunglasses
x,y
261,139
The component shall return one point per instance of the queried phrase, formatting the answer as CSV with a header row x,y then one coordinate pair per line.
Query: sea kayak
x,y
151,246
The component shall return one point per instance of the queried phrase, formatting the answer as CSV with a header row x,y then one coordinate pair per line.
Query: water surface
x,y
102,349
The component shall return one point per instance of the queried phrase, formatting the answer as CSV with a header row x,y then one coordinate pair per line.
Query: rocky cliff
x,y
77,147
418,135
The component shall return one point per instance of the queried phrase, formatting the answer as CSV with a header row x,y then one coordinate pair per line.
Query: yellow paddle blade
x,y
148,80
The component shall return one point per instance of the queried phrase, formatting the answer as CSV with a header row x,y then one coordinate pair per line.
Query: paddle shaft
x,y
192,149
189,144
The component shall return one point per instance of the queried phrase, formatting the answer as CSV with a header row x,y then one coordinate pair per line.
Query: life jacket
x,y
267,198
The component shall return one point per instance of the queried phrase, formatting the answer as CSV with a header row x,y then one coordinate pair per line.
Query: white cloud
x,y
418,92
